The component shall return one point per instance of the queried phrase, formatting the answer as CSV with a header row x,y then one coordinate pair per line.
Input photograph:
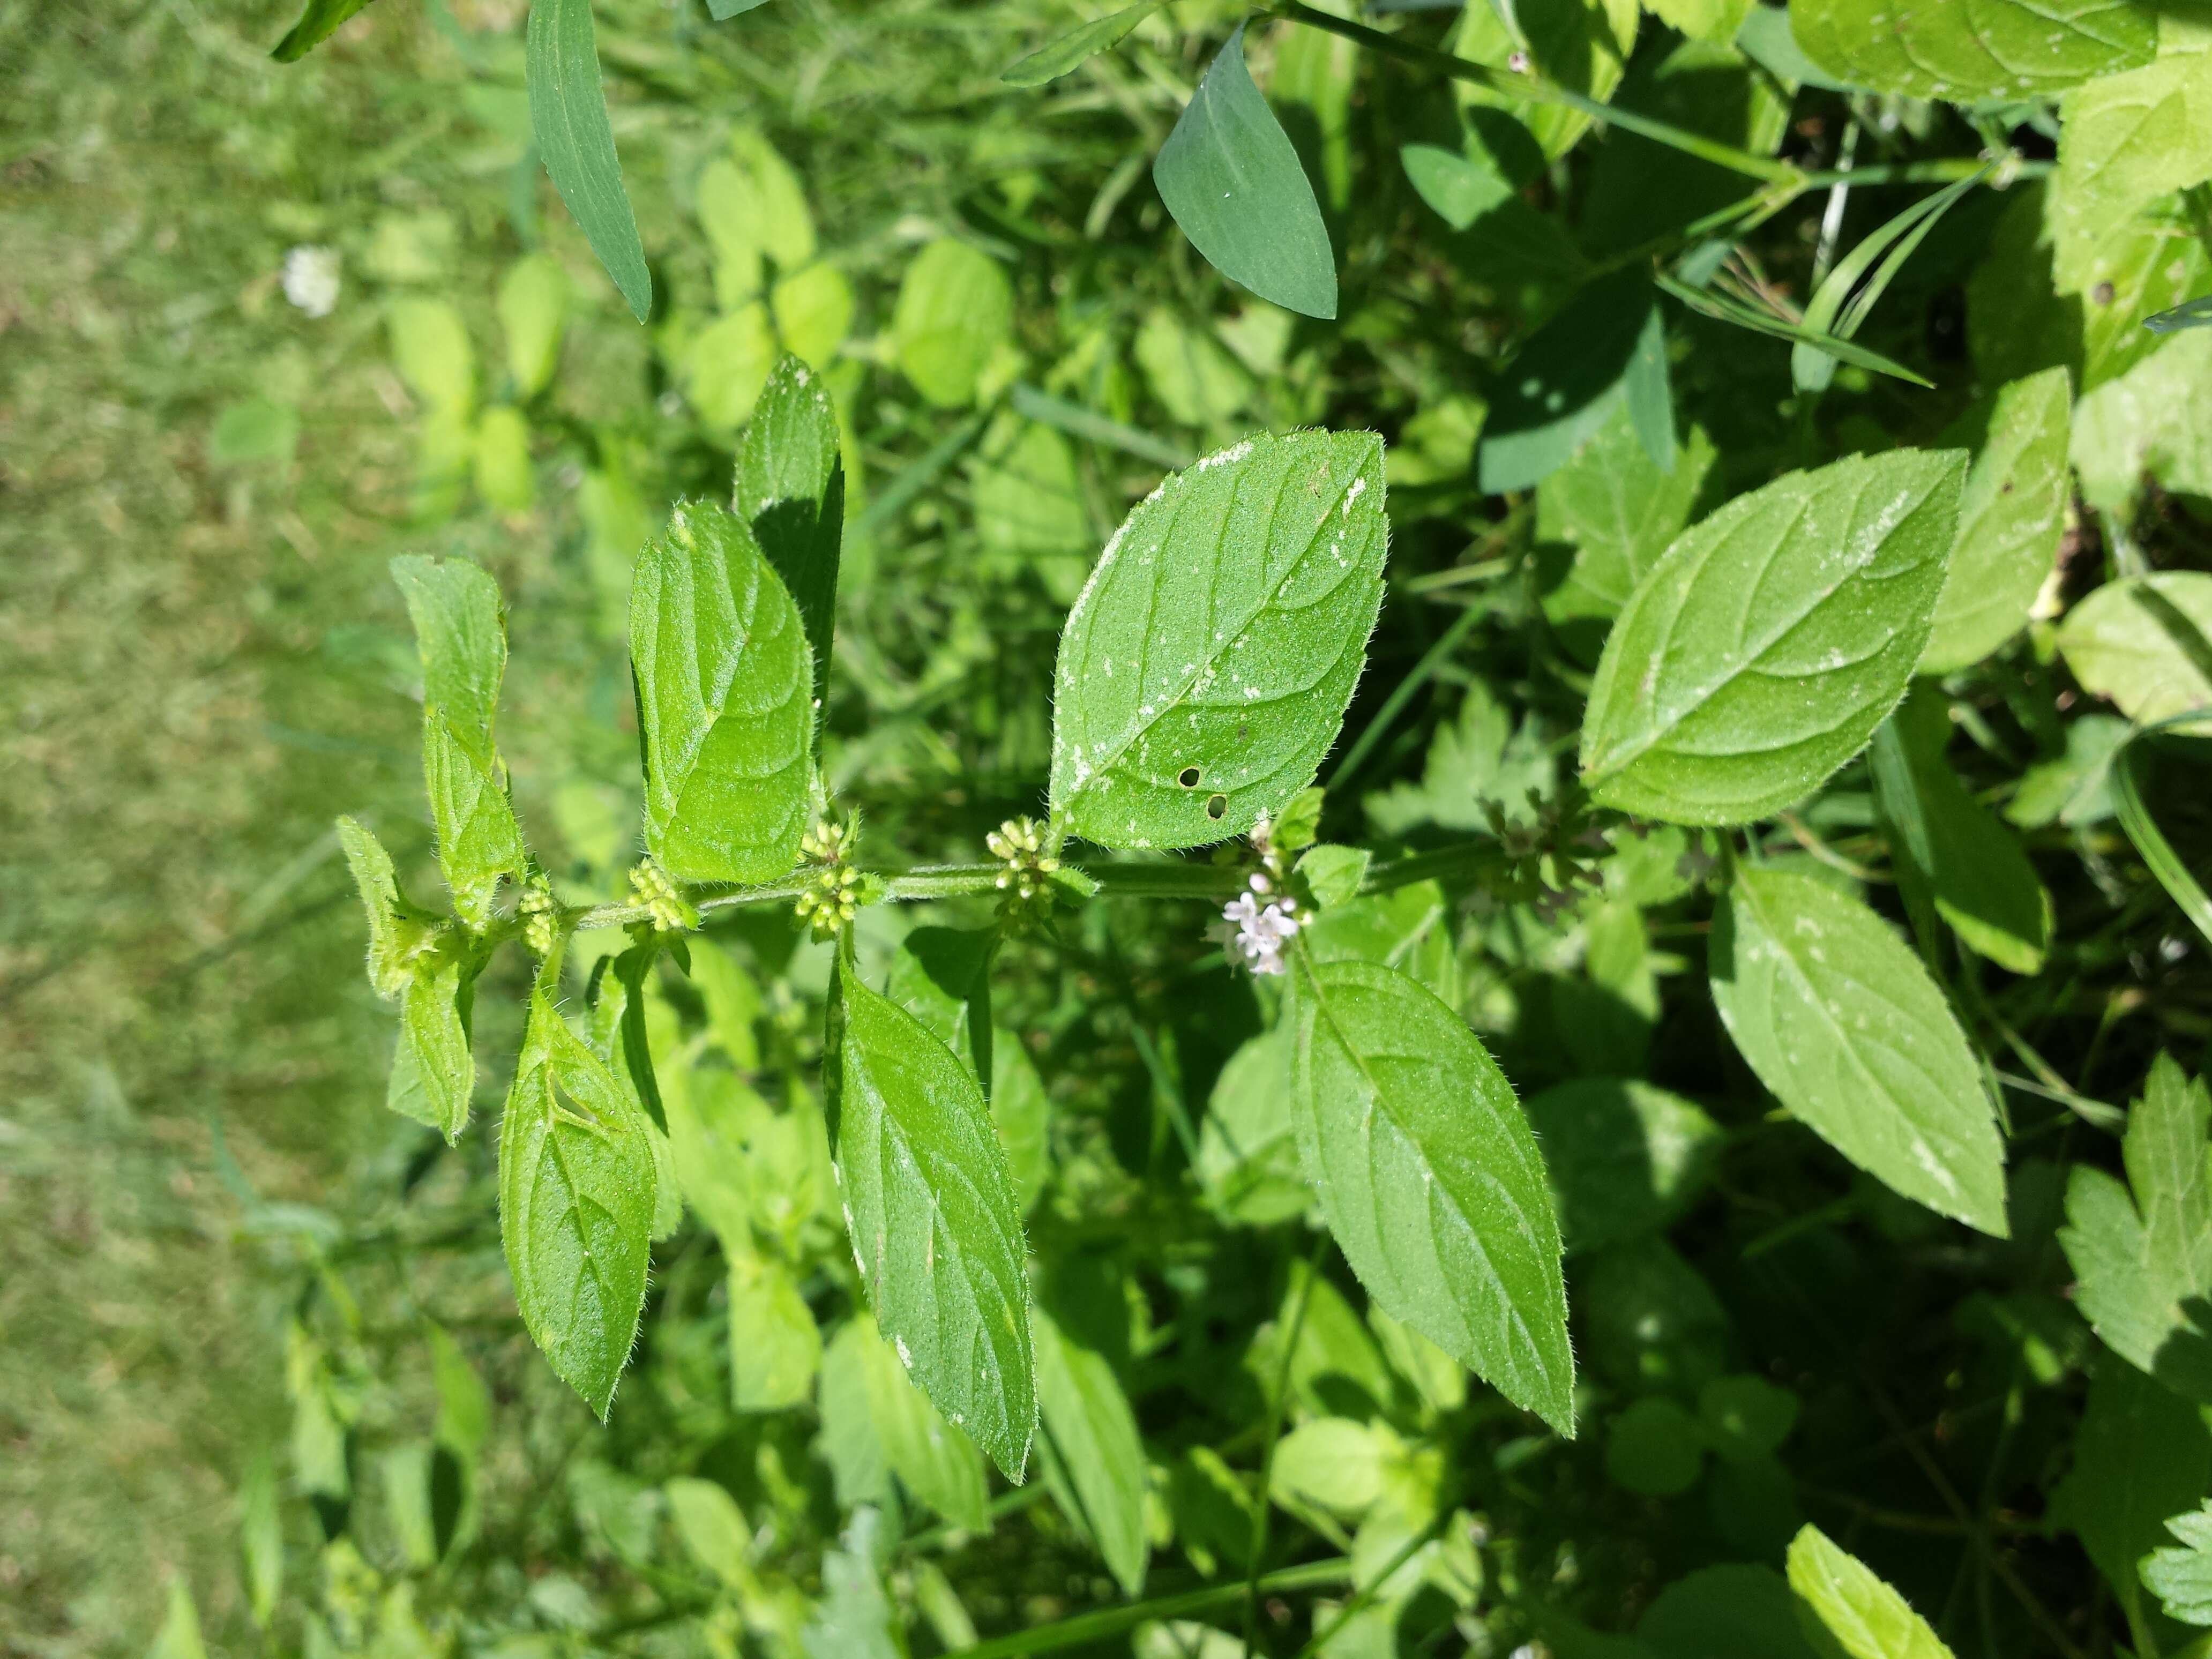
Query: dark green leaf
x,y
1204,670
1050,63
1652,1449
791,489
1840,1020
1626,1157
725,720
1094,1459
575,1205
935,1229
942,976
1431,1179
1761,652
568,114
2142,1454
321,20
1559,387
1744,1612
1229,175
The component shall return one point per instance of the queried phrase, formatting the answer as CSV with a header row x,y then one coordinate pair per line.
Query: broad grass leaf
x,y
726,720
932,1458
790,490
576,1193
2152,422
936,1231
568,114
1999,49
1430,1180
1840,306
1204,672
2142,1453
1231,178
2181,1576
1841,1022
1560,386
1761,652
1849,1610
433,1073
1626,1157
2141,642
1093,1456
2011,515
776,1347
1050,62
321,20
955,310
535,299
2125,141
2142,1250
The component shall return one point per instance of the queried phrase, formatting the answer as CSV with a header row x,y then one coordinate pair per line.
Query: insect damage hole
x,y
1188,777
1216,805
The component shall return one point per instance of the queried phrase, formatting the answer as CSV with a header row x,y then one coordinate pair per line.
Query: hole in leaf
x,y
1188,777
1217,805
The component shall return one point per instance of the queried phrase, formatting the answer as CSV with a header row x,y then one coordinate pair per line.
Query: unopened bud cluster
x,y
665,904
831,896
541,915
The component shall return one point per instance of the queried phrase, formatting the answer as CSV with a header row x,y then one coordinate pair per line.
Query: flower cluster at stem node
x,y
831,895
666,906
1027,879
1258,922
541,917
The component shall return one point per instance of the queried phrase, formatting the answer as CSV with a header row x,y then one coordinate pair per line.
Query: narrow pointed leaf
x,y
936,1231
1229,175
321,20
724,693
1840,305
397,932
722,10
791,491
568,114
1431,1179
2191,313
1067,53
1205,669
1841,1022
1761,652
1723,309
1094,1458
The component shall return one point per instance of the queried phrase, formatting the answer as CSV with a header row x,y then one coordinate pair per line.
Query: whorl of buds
x,y
666,906
541,916
831,895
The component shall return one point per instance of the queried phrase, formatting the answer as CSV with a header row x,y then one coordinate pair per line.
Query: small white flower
x,y
311,279
1261,929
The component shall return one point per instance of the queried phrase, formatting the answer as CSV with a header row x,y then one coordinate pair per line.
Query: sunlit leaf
x,y
1865,1617
568,114
1050,62
2007,49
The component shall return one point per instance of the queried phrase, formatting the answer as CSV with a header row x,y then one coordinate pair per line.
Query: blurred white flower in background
x,y
311,279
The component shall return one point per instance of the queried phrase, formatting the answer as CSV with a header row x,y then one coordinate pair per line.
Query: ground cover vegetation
x,y
1398,865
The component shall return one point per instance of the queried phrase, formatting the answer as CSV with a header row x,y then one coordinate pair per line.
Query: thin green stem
x,y
1112,1621
1364,1594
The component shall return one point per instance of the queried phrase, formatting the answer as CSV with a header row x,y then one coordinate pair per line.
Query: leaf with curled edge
x,y
1204,670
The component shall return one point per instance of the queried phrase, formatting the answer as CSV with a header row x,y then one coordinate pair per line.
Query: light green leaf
x,y
1050,62
1626,1157
790,490
568,114
783,221
1462,188
2127,140
726,366
813,311
722,10
2007,49
2142,1453
852,1620
463,1403
1761,652
1482,759
2011,515
180,1635
1839,1019
461,633
776,1347
1702,19
431,349
2150,262
955,309
321,20
433,1074
1860,1616
1248,1150
506,475
534,301
1410,928
479,843
2143,1251
1333,1463
1229,175
398,933
848,1442
727,203
261,1538
734,1004
1191,372
2141,641
2149,423
936,1231
1562,384
2076,789
932,1458
1618,512
1950,847
256,430
1430,1180
1204,670
1332,874
1581,44
726,723
575,1205
713,1527
2181,1578
1094,1459
1022,1113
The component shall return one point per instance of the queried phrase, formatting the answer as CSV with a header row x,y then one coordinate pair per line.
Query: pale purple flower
x,y
1262,924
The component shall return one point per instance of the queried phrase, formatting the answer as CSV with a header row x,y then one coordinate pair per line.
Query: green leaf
x,y
1724,308
1842,1022
433,1074
2011,515
1022,1113
955,311
2141,1251
2149,422
1625,1157
1204,672
2142,1454
1094,1459
479,843
852,1620
1839,306
942,976
776,1347
1050,62
256,430
2005,49
398,933
1848,1611
2076,789
1581,44
261,1538
1231,178
713,1528
2191,313
1332,874
1744,1612
933,1459
2141,641
1761,652
321,20
2182,1578
1953,848
2155,258
724,718
722,10
790,490
1459,187
575,1205
568,114
1333,1463
534,301
936,1231
1248,1149
180,1635
1652,1449
431,349
1430,1180
506,474
1746,1416
1618,511
1604,347
2125,141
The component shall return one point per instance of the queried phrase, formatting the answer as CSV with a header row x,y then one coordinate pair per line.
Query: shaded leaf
x,y
1626,1157
932,1458
2142,1454
2181,1578
1094,1459
1745,1612
790,490
1559,387
776,1347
